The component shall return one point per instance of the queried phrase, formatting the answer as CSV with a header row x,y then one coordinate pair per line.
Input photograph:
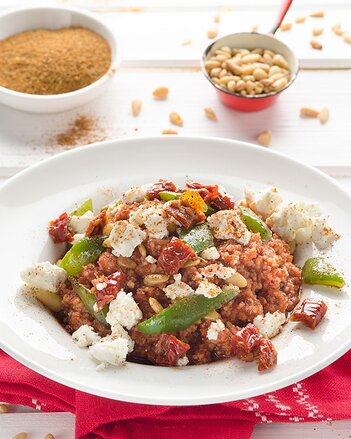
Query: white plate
x,y
31,335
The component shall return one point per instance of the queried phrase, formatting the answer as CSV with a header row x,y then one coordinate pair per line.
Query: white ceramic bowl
x,y
53,17
103,171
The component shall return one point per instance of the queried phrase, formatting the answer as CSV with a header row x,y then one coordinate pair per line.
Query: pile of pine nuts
x,y
248,72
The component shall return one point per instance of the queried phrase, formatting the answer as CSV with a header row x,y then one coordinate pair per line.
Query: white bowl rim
x,y
115,61
190,400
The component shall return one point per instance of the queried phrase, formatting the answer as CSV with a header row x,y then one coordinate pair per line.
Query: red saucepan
x,y
253,40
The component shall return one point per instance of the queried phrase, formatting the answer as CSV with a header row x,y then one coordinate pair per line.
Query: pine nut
x,y
347,38
215,72
251,58
323,116
317,32
308,112
250,86
225,79
319,14
264,138
191,263
243,51
238,280
268,59
155,305
142,250
226,49
175,118
22,435
276,77
107,243
4,408
258,88
161,93
217,18
152,280
269,52
212,33
266,82
209,65
240,85
300,20
222,57
247,70
260,74
49,436
107,229
136,107
243,92
248,78
231,86
210,114
212,316
169,132
285,27
126,262
316,45
274,70
337,30
223,73
234,68
259,51
279,84
280,61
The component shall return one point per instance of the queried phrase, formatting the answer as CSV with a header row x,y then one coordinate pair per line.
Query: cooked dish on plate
x,y
172,276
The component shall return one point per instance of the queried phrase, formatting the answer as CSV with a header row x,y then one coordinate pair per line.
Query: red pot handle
x,y
282,12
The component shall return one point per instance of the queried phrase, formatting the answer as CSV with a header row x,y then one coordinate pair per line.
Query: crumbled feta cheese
x,y
150,259
119,332
208,289
101,286
264,203
227,224
110,350
85,336
214,329
303,223
210,253
154,218
77,237
135,194
183,361
124,238
79,224
218,270
270,324
178,289
124,310
44,276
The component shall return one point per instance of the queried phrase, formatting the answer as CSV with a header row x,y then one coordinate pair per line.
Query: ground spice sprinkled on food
x,y
82,131
46,62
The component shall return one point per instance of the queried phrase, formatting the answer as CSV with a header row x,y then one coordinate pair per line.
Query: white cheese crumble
x,y
264,203
214,329
79,224
124,238
135,194
183,361
303,223
217,270
150,259
210,253
124,310
208,289
270,324
119,332
227,224
178,289
77,237
44,276
154,218
85,336
110,351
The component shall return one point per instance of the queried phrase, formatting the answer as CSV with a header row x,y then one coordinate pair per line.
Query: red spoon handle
x,y
282,12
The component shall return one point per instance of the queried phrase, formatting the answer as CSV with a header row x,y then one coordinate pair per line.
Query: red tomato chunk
x,y
201,188
218,201
184,214
310,312
160,186
96,225
58,229
267,355
169,350
174,255
107,287
245,340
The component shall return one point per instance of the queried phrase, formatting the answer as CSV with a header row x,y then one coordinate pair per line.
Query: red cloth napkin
x,y
325,396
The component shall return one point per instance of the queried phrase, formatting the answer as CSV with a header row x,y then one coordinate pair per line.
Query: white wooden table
x,y
151,33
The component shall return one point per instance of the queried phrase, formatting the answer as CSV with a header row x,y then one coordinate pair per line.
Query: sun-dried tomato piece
x,y
310,312
174,255
160,186
201,188
245,340
219,201
169,349
267,355
184,214
107,287
58,229
97,224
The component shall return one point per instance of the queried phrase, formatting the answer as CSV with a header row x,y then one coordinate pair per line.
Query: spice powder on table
x,y
47,62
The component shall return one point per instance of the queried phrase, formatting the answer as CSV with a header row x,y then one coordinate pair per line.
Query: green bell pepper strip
x,y
210,211
168,196
83,208
184,313
199,237
255,224
317,271
89,300
81,253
